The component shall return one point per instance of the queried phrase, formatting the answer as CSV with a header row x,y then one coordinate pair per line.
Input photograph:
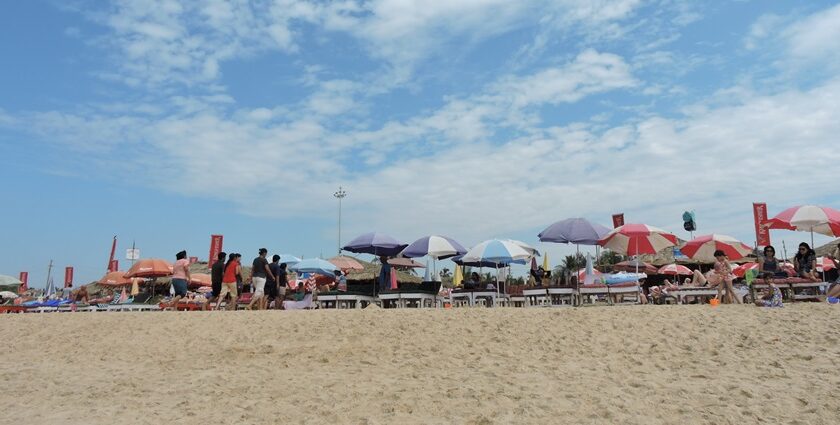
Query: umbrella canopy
x,y
675,269
808,218
635,239
530,249
574,230
581,274
150,267
405,262
435,246
703,247
633,265
199,280
8,295
314,265
345,263
114,279
376,244
9,280
495,251
288,259
824,264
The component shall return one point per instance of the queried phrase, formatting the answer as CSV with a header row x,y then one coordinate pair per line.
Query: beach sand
x,y
628,365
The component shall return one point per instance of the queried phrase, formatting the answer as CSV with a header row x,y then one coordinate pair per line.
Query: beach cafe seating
x,y
561,296
794,288
357,295
618,293
412,295
536,297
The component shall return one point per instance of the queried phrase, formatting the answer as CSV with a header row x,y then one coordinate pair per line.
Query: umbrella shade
x,y
199,280
288,259
635,239
703,247
314,265
8,295
808,218
675,269
9,280
574,230
376,244
405,262
824,264
345,263
437,247
581,274
459,260
530,249
495,251
632,265
150,267
114,279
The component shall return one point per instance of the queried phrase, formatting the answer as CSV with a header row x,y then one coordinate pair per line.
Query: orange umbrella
x,y
151,267
114,279
199,279
345,263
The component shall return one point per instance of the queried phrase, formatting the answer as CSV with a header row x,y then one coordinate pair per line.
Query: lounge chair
x,y
306,303
561,296
536,297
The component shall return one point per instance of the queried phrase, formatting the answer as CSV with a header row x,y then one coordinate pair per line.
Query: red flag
x,y
762,232
215,248
618,220
113,251
68,276
24,277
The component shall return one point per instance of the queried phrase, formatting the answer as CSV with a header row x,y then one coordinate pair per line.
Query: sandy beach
x,y
634,365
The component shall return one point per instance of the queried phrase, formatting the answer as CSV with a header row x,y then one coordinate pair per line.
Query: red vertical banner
x,y
618,220
115,265
68,277
215,248
24,277
762,232
111,258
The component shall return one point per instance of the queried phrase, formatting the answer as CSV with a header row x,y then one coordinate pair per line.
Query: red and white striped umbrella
x,y
581,274
675,269
703,247
741,270
824,264
635,239
808,218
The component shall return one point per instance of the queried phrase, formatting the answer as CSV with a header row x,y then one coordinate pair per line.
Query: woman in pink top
x,y
180,277
722,277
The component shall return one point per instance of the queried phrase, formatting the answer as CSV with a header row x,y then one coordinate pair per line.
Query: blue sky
x,y
163,122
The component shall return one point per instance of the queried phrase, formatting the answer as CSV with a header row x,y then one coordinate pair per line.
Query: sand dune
x,y
634,365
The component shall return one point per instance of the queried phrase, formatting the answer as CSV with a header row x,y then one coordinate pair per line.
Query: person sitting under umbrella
x,y
805,263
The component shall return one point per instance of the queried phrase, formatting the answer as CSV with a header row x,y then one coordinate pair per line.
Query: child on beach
x,y
772,296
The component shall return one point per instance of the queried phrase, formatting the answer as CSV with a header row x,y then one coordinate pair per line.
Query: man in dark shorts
x,y
217,272
271,292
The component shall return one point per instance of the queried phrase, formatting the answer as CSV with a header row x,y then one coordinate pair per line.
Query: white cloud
x,y
817,36
765,26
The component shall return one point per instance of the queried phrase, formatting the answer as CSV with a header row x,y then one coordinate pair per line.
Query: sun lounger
x,y
561,296
306,303
591,294
403,299
619,293
344,299
8,308
536,297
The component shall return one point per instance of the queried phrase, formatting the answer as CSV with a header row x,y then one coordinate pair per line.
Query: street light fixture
x,y
340,194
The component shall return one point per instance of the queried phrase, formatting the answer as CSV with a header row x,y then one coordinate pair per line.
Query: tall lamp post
x,y
340,194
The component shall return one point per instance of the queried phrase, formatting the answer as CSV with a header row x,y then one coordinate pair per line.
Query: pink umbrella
x,y
704,247
675,269
632,266
808,218
635,239
581,274
824,264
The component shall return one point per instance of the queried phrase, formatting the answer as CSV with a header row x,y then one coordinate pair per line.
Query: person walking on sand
x,y
260,273
232,270
180,277
272,288
217,273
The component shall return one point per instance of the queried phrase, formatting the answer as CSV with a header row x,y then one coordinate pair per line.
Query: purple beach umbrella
x,y
578,231
437,247
376,244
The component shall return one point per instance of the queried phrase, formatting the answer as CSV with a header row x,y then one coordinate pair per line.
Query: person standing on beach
x,y
217,273
384,274
180,277
272,287
232,271
260,273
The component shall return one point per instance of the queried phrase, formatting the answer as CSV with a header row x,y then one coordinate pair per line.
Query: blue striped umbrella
x,y
314,265
435,246
495,251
